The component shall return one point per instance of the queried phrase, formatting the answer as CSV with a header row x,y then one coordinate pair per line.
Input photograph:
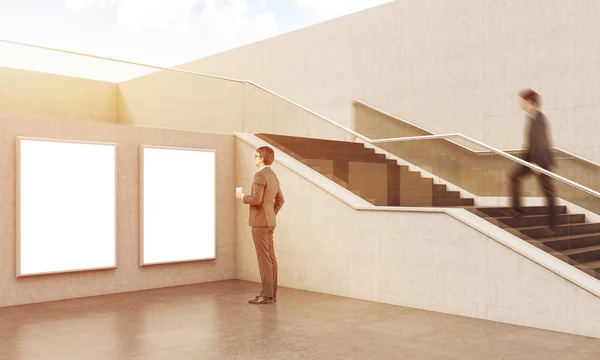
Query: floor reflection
x,y
214,321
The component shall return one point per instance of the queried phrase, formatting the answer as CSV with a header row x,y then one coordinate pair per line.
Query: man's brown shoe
x,y
260,300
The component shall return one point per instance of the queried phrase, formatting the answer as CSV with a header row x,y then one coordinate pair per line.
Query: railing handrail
x,y
408,123
497,151
360,136
464,147
119,61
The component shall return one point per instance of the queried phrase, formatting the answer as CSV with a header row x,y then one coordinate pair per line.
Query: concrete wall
x,y
453,66
33,93
399,258
182,101
128,276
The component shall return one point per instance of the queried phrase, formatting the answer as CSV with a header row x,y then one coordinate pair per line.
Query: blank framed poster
x,y
66,206
177,204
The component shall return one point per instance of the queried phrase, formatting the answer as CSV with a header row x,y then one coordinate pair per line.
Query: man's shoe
x,y
274,298
260,300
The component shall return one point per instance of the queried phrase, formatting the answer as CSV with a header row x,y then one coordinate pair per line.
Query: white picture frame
x,y
177,205
66,206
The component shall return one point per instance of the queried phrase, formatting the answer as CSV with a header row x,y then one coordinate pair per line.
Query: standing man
x,y
265,202
538,152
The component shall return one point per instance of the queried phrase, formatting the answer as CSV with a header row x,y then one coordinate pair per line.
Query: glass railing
x,y
268,112
376,123
479,175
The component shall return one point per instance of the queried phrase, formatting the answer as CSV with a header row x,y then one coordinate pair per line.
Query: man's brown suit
x,y
265,202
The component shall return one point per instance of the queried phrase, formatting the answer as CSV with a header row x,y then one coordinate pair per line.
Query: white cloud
x,y
335,8
229,21
81,5
138,16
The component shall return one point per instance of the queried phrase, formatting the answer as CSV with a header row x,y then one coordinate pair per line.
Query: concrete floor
x,y
214,321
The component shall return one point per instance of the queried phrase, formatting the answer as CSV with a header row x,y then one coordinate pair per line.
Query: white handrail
x,y
464,147
392,116
576,156
119,61
408,123
350,131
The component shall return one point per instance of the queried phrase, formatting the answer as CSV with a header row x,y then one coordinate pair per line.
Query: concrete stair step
x,y
561,243
453,202
527,210
591,265
584,254
541,220
536,232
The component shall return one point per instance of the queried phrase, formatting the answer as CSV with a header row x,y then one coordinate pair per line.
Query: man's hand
x,y
239,195
535,172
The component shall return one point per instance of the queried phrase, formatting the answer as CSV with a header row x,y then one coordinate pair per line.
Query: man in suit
x,y
265,202
537,152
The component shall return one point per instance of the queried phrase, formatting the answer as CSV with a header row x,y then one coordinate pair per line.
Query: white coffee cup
x,y
238,189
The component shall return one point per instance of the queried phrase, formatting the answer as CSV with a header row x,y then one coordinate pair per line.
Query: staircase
x,y
372,176
383,182
576,241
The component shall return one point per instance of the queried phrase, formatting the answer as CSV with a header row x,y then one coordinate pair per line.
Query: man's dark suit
x,y
538,152
265,202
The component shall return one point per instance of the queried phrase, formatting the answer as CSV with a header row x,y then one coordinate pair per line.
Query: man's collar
x,y
534,113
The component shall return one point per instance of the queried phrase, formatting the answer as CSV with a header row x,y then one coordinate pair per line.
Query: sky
x,y
157,32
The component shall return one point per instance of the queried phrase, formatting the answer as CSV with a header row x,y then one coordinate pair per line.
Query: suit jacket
x,y
266,199
538,142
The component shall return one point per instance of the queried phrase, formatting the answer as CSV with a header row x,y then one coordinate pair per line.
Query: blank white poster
x,y
66,206
178,205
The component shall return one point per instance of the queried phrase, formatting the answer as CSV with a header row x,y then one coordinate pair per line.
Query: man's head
x,y
264,156
530,100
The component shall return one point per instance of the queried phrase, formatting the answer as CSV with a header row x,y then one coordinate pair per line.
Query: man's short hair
x,y
531,96
267,154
